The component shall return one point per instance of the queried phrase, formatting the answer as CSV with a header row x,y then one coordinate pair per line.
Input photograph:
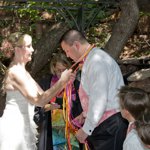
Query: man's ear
x,y
77,44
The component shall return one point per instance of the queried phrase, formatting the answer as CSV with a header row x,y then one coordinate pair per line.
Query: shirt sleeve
x,y
133,142
133,145
97,81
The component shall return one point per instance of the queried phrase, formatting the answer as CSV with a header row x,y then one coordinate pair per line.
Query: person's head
x,y
143,128
74,44
133,102
59,63
22,46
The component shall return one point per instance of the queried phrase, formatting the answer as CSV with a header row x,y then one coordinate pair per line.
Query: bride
x,y
17,128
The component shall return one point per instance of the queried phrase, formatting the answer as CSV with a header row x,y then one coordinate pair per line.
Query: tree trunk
x,y
46,45
144,5
124,28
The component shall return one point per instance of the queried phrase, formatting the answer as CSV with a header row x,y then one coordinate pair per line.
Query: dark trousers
x,y
45,136
109,135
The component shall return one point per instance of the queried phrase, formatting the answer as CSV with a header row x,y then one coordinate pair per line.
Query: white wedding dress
x,y
17,128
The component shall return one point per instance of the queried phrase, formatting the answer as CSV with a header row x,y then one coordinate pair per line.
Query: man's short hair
x,y
71,36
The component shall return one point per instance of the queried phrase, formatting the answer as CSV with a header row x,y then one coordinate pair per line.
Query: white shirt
x,y
101,78
133,142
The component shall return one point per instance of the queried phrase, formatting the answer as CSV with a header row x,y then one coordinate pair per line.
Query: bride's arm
x,y
32,91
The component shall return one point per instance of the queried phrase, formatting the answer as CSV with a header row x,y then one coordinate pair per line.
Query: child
x,y
134,102
143,128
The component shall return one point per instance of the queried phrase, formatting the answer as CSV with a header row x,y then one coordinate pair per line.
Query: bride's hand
x,y
66,75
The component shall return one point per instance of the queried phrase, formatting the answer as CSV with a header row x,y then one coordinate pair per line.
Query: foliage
x,y
84,15
144,14
81,15
74,13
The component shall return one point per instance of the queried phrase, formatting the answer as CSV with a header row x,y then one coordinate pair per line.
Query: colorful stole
x,y
82,57
60,95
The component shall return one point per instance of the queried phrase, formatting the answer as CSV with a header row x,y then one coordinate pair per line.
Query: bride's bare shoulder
x,y
12,75
15,71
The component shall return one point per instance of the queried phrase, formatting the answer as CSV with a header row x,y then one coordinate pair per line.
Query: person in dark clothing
x,y
52,129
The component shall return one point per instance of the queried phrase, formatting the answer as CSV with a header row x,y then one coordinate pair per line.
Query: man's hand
x,y
79,120
81,136
51,106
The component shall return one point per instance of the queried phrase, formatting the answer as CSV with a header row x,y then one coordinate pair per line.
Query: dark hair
x,y
143,128
135,100
73,35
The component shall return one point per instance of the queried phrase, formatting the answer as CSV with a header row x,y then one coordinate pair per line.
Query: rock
x,y
143,84
139,75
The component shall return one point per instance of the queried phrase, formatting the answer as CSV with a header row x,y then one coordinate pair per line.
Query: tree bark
x,y
144,5
124,28
46,45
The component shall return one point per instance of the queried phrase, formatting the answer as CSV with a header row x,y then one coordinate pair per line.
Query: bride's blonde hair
x,y
16,39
